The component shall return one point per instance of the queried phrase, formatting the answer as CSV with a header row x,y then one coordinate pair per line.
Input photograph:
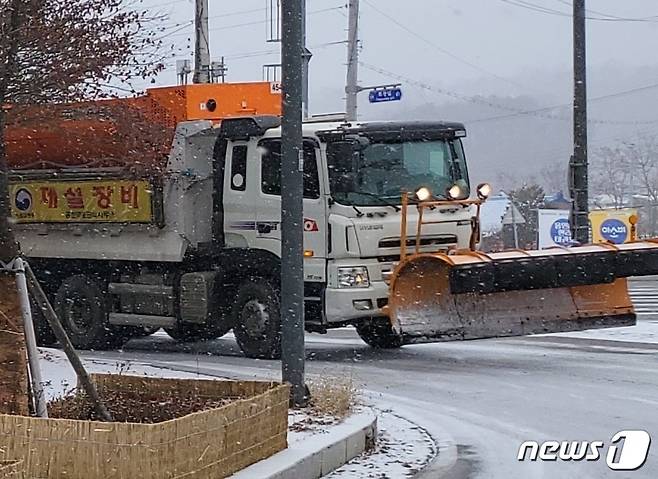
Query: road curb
x,y
323,454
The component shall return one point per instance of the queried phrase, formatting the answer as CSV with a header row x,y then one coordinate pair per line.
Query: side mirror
x,y
359,143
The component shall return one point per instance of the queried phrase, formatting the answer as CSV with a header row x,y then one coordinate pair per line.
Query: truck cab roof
x,y
270,127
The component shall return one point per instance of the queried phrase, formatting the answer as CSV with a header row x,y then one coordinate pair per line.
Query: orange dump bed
x,y
134,133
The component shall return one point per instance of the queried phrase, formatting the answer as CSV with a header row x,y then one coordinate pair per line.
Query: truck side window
x,y
271,169
239,168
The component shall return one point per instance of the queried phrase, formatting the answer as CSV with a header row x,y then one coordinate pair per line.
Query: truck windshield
x,y
377,175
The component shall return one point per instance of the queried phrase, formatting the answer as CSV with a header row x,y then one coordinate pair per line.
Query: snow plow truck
x,y
163,211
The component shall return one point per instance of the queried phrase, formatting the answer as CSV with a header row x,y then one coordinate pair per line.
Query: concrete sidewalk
x,y
318,455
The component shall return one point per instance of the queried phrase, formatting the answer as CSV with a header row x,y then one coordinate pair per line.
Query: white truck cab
x,y
354,175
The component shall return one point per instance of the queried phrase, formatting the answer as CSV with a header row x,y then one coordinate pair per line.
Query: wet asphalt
x,y
480,399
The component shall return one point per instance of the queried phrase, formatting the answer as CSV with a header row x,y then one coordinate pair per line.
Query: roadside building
x,y
500,220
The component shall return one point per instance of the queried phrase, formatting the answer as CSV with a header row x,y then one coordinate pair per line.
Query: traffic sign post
x,y
385,95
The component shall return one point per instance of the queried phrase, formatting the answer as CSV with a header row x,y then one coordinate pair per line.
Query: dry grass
x,y
333,395
134,407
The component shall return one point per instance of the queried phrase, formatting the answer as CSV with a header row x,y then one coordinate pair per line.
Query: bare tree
x,y
612,175
554,177
628,174
643,156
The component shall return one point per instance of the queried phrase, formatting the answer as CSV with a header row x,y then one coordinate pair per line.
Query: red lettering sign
x,y
74,198
49,196
104,196
129,196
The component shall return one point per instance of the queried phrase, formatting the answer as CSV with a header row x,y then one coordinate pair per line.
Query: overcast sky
x,y
446,52
469,47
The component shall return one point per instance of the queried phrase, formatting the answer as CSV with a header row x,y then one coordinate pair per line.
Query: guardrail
x,y
644,294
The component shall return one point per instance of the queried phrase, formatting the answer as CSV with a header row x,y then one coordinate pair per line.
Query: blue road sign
x,y
385,94
615,231
561,232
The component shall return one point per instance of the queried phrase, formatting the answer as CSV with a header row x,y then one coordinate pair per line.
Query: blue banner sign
x,y
385,94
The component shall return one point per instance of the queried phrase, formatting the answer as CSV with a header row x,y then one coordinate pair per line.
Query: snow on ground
x,y
403,448
303,425
60,379
646,331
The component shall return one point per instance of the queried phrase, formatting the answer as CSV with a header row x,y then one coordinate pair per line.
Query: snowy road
x,y
481,399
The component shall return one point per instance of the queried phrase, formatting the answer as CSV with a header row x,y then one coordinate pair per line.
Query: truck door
x,y
240,194
268,211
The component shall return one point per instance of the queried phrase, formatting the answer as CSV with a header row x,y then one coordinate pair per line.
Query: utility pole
x,y
352,86
579,163
306,59
201,43
292,214
514,225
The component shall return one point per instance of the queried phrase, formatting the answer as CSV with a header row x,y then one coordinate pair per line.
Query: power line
x,y
535,8
226,15
441,49
609,17
257,53
482,101
550,11
441,91
175,33
564,105
258,22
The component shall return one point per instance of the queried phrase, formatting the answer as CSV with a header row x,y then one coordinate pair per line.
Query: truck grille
x,y
424,241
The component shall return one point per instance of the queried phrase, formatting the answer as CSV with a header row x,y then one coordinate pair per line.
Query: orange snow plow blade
x,y
470,295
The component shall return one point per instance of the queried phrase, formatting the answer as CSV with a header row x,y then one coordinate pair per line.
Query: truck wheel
x,y
81,307
45,335
257,319
379,334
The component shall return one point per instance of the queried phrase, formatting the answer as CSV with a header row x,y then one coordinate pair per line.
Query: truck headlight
x,y
353,277
455,192
423,194
484,191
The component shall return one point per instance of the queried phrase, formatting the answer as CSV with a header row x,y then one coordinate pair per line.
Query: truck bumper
x,y
346,305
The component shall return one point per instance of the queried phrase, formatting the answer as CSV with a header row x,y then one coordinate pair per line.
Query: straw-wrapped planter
x,y
250,426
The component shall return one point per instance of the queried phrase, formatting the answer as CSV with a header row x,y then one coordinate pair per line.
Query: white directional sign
x,y
553,228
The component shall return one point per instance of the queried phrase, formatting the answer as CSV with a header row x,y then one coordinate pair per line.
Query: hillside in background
x,y
507,147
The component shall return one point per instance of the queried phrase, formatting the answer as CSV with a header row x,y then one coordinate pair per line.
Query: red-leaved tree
x,y
57,51
68,50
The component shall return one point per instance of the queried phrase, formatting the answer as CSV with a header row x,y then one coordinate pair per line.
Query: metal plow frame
x,y
460,295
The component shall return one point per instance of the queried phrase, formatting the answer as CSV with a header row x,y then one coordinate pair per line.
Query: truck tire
x,y
379,334
81,307
45,335
257,319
